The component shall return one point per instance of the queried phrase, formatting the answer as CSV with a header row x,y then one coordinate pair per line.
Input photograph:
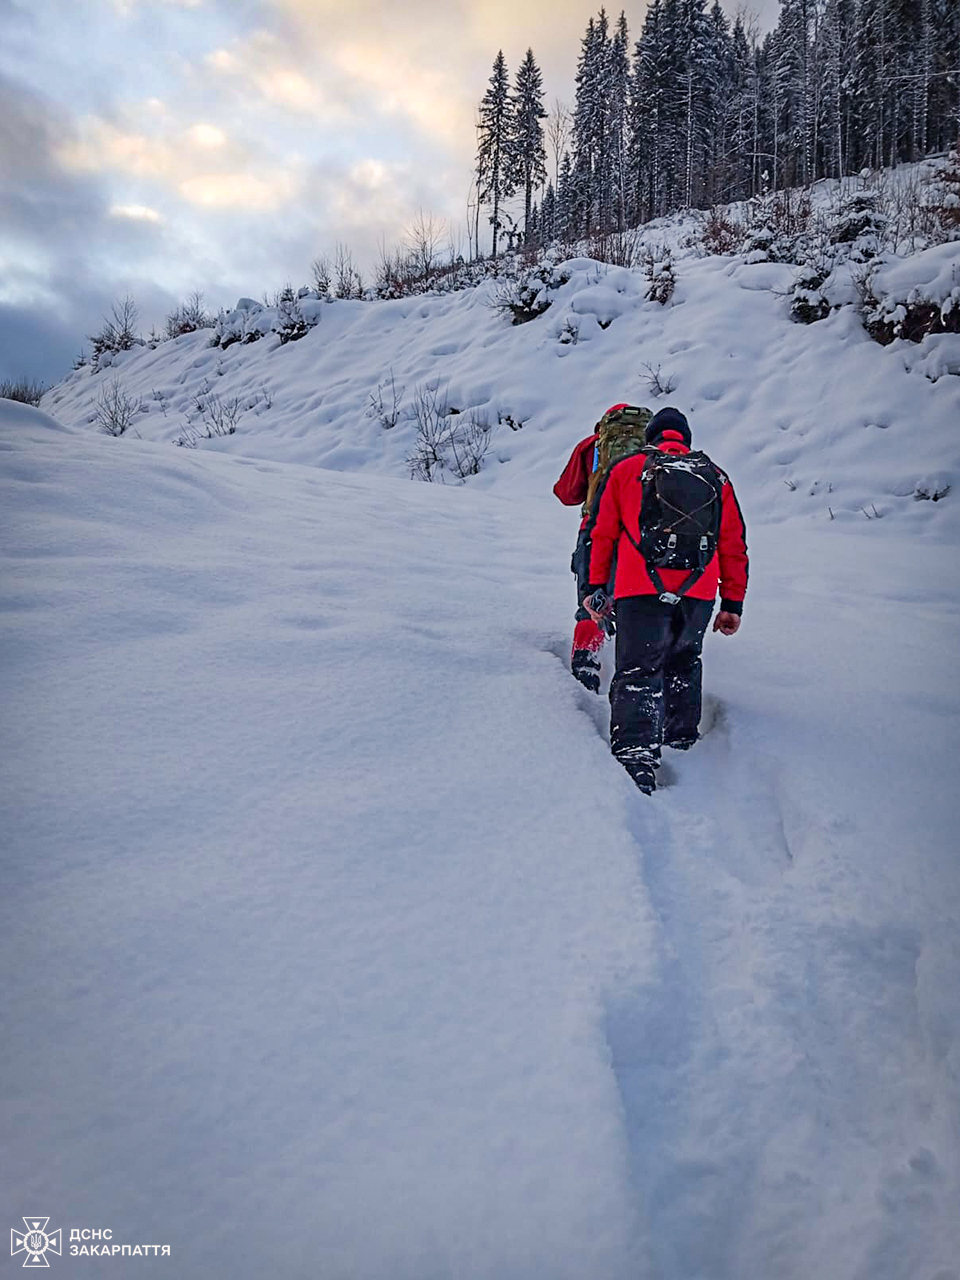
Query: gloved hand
x,y
598,604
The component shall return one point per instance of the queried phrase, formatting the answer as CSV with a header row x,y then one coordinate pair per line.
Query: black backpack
x,y
679,516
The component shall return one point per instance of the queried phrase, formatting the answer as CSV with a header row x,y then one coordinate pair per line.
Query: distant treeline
x,y
701,112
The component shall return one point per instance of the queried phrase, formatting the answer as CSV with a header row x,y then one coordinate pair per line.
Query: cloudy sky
x,y
154,147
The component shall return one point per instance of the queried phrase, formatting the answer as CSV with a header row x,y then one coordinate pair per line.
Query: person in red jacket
x,y
655,696
588,634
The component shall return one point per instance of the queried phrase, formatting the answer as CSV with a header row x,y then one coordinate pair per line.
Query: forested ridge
x,y
699,111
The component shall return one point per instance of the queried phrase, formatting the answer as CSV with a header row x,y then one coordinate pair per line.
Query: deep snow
x,y
335,941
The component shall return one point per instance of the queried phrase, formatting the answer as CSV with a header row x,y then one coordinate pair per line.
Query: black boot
x,y
586,669
643,773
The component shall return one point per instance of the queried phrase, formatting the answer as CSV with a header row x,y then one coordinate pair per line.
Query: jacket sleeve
x,y
606,531
571,488
732,550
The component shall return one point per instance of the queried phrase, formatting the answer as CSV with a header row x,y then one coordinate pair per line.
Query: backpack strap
x,y
673,597
668,597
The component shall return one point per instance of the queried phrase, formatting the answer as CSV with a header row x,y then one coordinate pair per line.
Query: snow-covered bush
x,y
808,303
661,276
248,322
569,334
291,323
859,223
946,195
912,297
780,227
531,293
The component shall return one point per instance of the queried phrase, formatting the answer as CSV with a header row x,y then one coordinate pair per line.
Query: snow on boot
x,y
586,669
643,774
588,640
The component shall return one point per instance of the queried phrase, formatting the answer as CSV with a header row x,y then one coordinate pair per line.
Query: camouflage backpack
x,y
620,432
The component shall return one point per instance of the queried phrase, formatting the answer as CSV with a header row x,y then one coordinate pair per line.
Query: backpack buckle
x,y
672,542
669,597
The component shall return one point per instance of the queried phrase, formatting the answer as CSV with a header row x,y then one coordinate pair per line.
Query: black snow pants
x,y
656,692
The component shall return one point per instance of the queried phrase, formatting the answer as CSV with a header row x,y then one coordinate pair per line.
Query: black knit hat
x,y
668,420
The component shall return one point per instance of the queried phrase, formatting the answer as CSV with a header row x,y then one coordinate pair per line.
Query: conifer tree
x,y
548,215
649,88
527,151
566,220
496,167
618,94
584,129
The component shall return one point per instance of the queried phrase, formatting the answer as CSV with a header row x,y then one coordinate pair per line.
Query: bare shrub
x,y
423,239
115,409
119,330
789,212
218,417
430,415
215,417
470,442
617,248
26,390
348,283
188,317
658,384
720,233
447,441
322,275
385,403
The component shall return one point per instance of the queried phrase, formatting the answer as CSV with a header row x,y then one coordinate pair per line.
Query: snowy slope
x,y
810,420
335,941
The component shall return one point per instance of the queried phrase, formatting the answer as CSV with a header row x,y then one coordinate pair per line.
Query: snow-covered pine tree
x,y
741,114
943,127
794,88
619,96
873,65
527,151
548,215
591,133
495,133
580,187
672,140
834,36
648,89
697,59
719,84
566,222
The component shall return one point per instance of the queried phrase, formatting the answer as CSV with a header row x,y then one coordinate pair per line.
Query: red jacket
x,y
571,488
620,509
